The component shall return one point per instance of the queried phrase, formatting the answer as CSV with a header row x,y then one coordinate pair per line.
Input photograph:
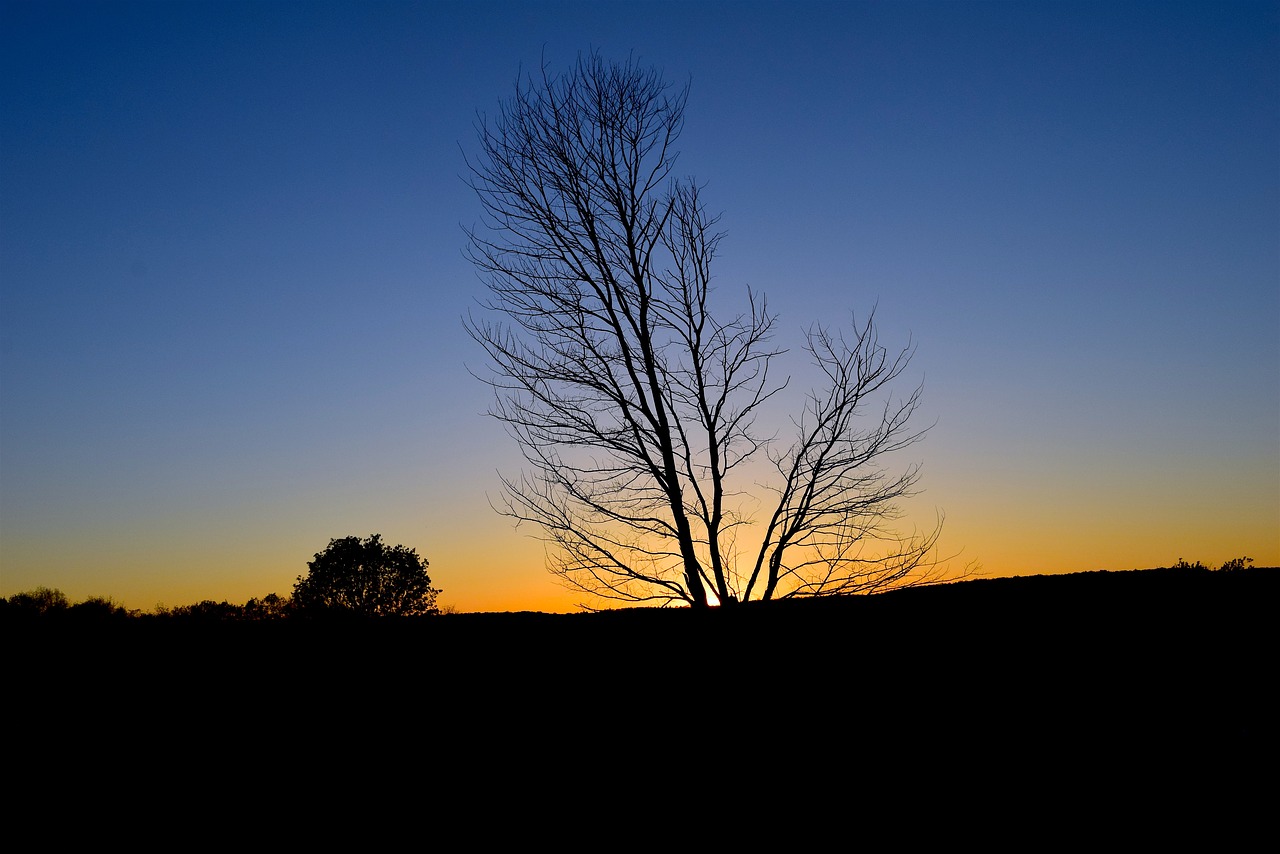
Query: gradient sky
x,y
231,271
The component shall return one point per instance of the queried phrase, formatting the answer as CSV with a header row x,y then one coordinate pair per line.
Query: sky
x,y
232,274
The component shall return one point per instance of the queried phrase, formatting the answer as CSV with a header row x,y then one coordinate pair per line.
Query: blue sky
x,y
231,271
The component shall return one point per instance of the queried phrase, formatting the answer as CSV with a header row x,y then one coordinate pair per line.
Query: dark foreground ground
x,y
1093,681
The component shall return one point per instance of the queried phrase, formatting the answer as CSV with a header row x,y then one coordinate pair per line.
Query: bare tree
x,y
634,403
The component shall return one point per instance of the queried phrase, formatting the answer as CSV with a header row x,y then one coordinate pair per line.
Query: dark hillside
x,y
1048,670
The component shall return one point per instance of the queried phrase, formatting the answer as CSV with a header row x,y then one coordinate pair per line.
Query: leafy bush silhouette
x,y
366,578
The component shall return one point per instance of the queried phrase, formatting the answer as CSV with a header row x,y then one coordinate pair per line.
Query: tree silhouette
x,y
634,402
40,602
366,578
269,607
99,608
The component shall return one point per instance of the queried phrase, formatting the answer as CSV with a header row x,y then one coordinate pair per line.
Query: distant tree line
x,y
1233,565
350,578
53,604
45,602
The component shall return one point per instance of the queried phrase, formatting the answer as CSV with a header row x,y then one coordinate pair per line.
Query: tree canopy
x,y
366,578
